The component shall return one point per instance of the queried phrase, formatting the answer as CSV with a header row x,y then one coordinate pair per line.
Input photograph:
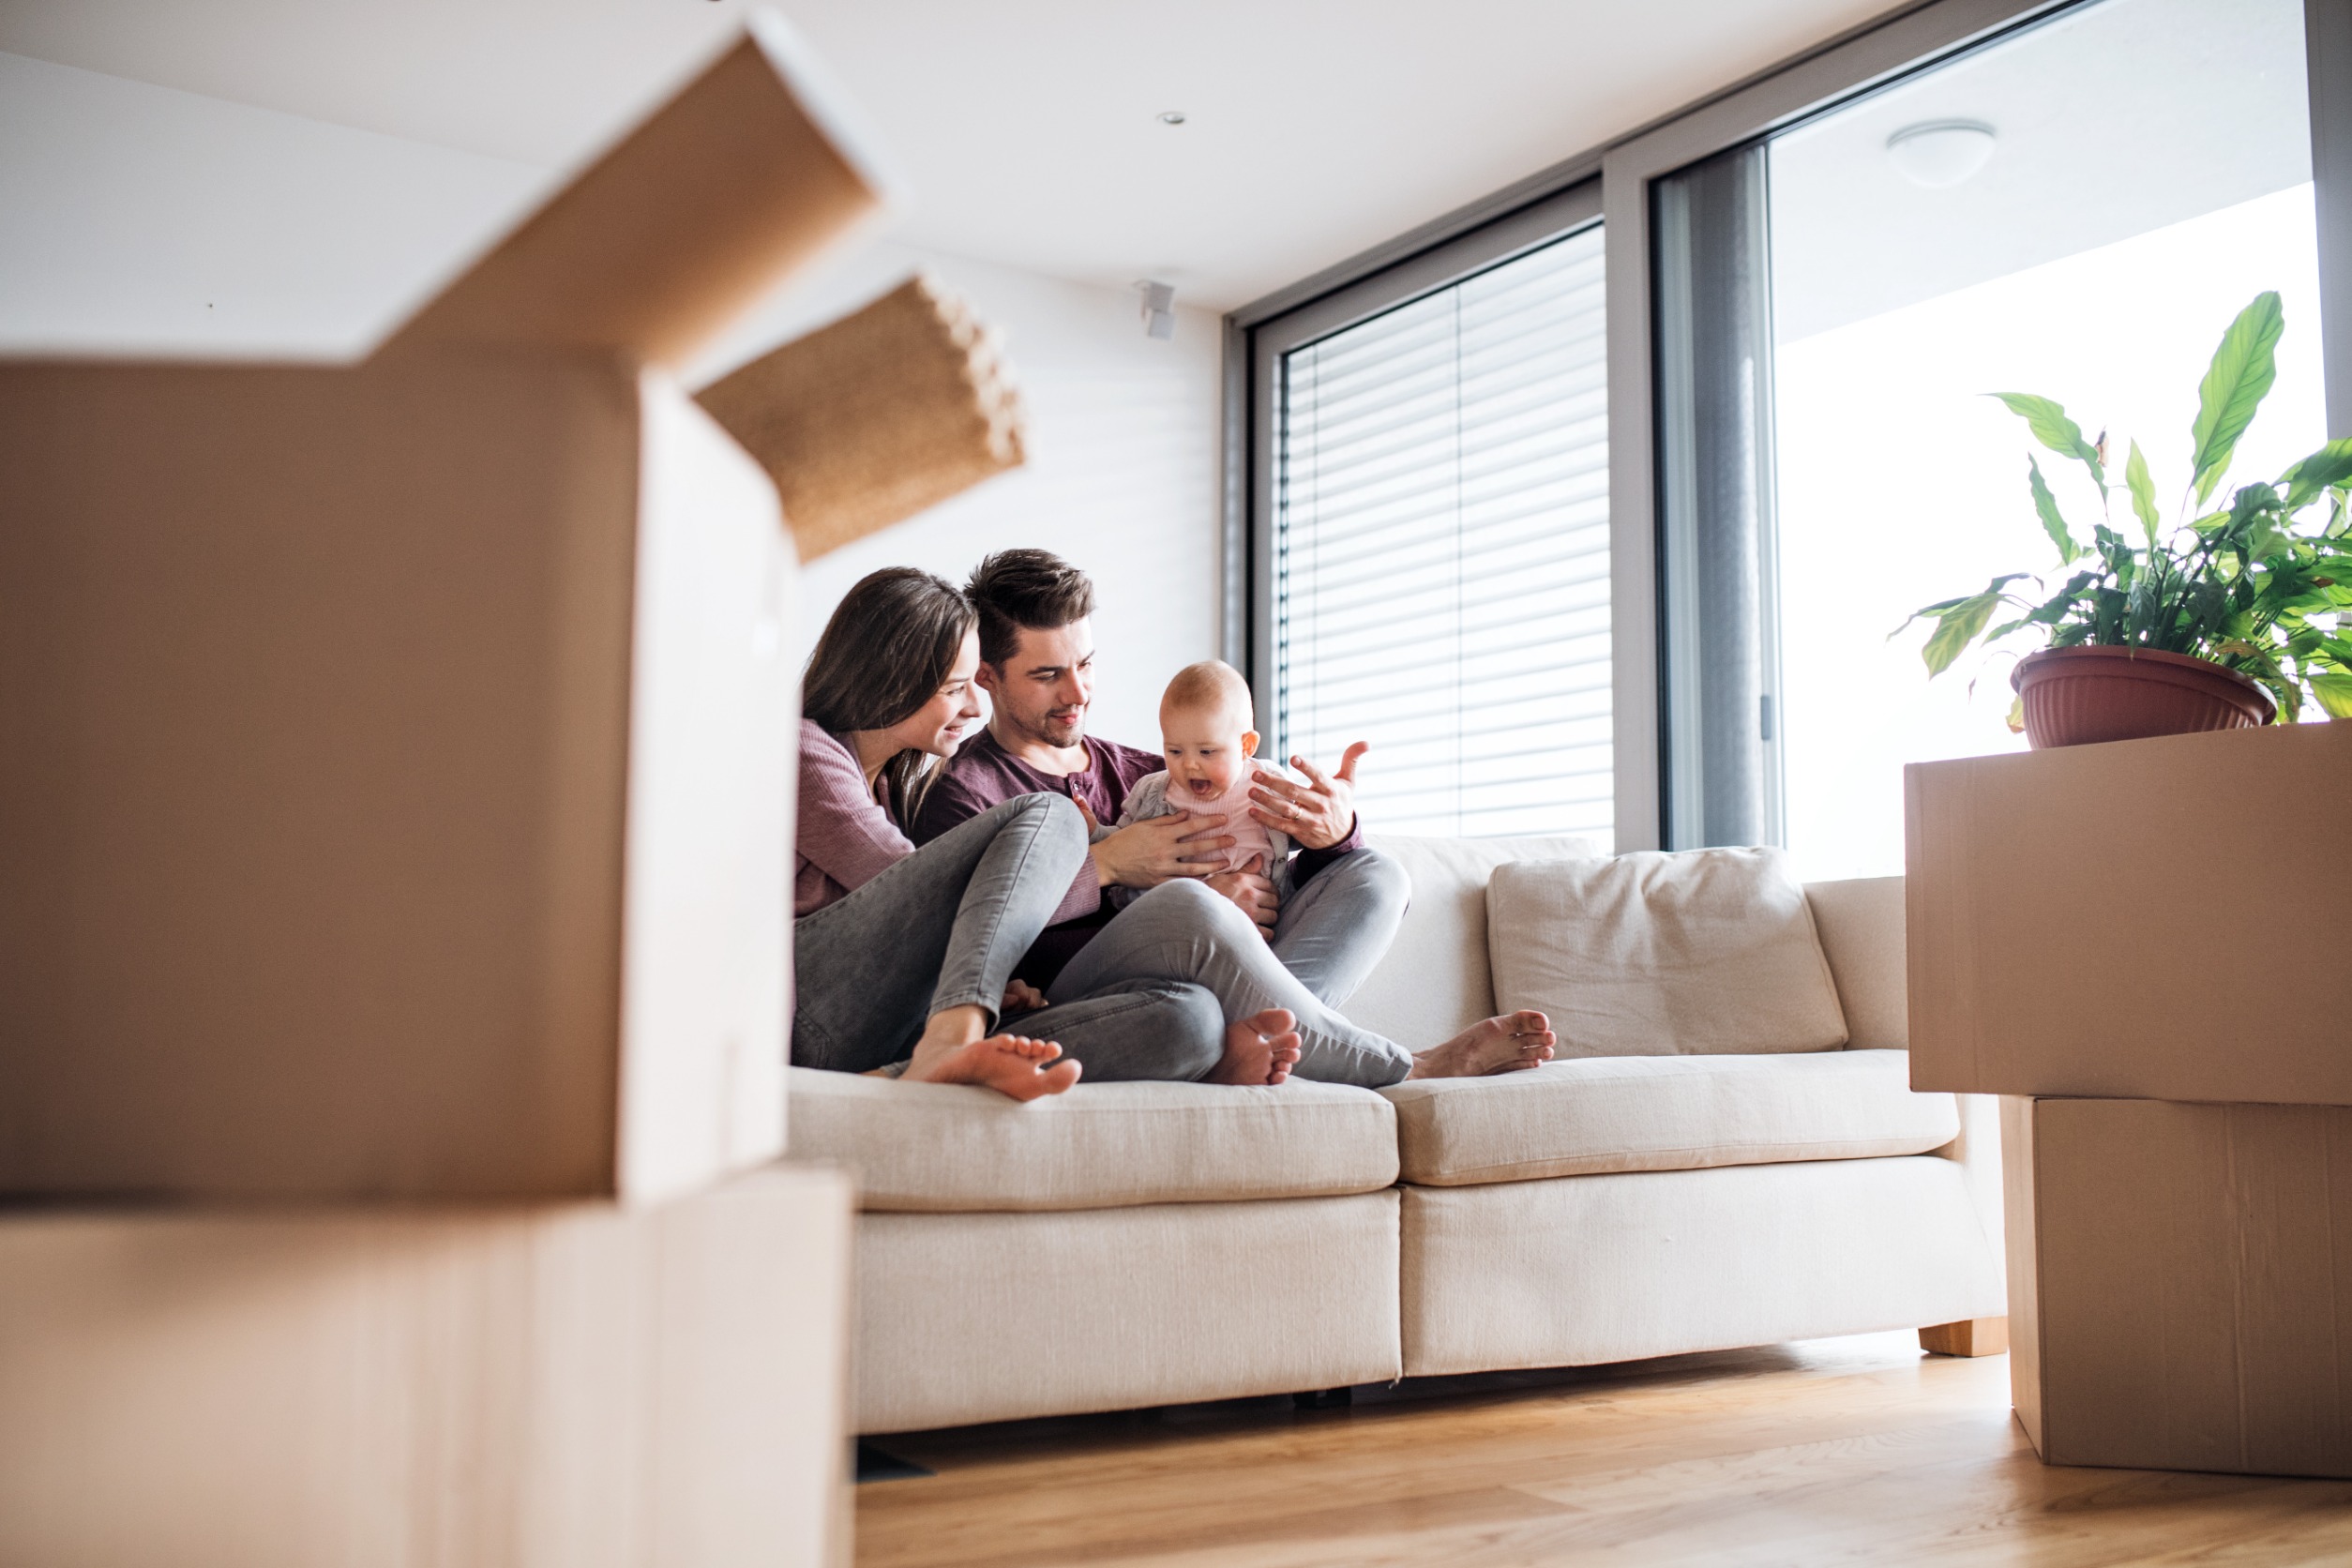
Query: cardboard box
x,y
2180,1283
396,761
557,1386
2153,919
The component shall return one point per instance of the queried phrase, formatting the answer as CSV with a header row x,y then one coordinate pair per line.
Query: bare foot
x,y
1009,1063
1509,1044
1260,1048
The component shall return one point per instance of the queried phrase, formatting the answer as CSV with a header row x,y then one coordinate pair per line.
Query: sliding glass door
x,y
2076,210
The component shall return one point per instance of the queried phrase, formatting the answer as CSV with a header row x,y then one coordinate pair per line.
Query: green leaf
x,y
2052,524
1957,628
2334,693
2243,368
2143,493
2053,429
2325,469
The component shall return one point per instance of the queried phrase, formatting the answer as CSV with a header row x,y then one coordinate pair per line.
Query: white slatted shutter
x,y
1441,556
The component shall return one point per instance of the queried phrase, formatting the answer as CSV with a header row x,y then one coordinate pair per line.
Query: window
x,y
1807,306
2077,210
1438,569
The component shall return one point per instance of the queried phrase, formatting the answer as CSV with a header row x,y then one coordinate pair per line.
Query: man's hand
x,y
1158,850
1317,814
1252,893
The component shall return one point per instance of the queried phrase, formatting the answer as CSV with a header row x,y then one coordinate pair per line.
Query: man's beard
x,y
1051,730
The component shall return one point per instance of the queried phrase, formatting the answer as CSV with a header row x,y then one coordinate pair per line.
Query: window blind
x,y
1440,556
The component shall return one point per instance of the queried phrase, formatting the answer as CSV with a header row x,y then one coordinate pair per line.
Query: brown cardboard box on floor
x,y
569,1385
2156,919
2180,1283
396,760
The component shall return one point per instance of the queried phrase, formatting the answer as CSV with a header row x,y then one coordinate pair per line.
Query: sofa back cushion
x,y
1434,982
1861,926
1699,953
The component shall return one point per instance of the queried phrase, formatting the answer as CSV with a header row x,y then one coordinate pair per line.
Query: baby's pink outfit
x,y
1158,795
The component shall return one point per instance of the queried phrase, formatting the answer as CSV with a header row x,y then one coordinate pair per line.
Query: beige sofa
x,y
1134,1244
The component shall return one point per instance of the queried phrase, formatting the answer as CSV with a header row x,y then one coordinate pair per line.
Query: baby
x,y
1209,747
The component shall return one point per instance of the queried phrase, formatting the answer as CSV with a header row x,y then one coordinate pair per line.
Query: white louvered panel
x,y
1442,552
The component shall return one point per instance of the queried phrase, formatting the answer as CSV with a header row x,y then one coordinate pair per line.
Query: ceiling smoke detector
x,y
1941,153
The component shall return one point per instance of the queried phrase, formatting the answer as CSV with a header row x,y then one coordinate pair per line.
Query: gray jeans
x,y
944,928
1330,934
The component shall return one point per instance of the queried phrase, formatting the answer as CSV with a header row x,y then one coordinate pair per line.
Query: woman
x,y
906,955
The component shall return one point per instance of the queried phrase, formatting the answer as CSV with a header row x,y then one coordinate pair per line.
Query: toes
x,y
1022,1046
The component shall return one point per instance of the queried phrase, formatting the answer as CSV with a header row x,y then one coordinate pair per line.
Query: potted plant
x,y
2229,618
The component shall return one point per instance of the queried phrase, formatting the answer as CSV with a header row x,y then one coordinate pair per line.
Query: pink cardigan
x,y
846,839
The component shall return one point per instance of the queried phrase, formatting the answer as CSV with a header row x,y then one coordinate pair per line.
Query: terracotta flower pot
x,y
2077,696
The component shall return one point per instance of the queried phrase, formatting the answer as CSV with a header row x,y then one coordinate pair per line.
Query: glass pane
x,y
1441,564
2076,212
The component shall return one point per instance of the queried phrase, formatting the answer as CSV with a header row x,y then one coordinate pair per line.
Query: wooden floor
x,y
1840,1450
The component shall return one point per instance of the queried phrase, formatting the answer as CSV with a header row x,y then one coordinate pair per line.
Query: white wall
x,y
141,219
1121,476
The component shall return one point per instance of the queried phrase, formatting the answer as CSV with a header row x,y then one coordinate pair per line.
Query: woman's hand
x,y
1317,813
1020,997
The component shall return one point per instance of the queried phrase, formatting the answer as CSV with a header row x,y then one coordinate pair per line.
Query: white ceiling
x,y
2109,122
1027,129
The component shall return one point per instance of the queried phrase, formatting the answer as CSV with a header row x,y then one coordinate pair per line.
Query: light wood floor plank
x,y
1856,1451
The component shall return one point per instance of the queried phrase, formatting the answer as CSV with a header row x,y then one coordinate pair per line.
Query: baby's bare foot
x,y
1260,1048
1011,1064
1509,1044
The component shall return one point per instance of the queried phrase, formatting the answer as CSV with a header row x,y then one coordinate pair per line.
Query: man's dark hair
x,y
1033,588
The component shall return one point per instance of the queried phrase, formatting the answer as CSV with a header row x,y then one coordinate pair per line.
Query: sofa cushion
x,y
1434,981
1860,926
1705,952
932,1148
1620,1113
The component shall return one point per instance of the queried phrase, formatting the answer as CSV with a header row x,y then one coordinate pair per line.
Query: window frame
x,y
1620,174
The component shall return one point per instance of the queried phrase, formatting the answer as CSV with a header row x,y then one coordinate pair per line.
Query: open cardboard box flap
x,y
742,178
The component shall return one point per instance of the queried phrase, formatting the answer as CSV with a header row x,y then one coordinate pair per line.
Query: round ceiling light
x,y
1941,153
1172,117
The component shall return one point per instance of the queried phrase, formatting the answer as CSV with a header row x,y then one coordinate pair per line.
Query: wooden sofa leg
x,y
1970,1337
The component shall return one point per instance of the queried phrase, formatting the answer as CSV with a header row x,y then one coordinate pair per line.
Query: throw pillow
x,y
1700,953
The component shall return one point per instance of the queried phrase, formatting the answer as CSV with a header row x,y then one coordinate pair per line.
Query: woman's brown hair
x,y
889,647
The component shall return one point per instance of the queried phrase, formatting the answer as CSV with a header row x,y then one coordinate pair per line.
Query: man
x,y
1038,665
